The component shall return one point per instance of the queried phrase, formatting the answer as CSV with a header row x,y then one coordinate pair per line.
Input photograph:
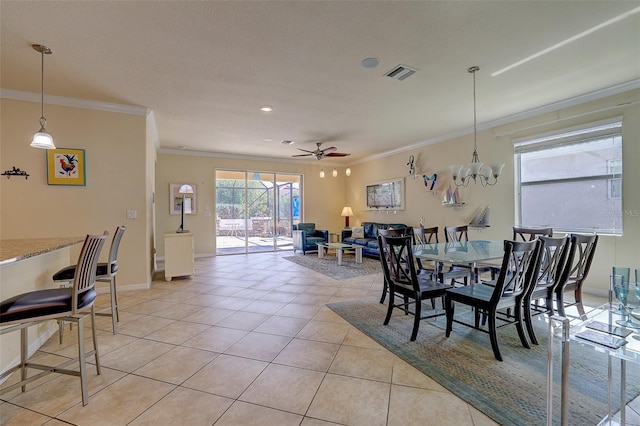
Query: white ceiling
x,y
205,67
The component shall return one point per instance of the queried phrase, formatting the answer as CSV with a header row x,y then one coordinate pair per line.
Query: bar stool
x,y
105,272
66,304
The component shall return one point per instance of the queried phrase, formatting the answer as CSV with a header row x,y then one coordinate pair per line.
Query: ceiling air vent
x,y
401,72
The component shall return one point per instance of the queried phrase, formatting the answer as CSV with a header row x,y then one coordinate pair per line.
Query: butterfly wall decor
x,y
430,181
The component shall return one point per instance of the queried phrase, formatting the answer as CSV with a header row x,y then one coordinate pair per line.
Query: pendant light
x,y
462,175
42,139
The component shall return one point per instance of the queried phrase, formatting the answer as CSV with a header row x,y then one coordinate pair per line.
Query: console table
x,y
178,255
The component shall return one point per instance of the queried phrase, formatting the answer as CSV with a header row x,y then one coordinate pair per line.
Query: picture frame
x,y
66,166
385,195
175,199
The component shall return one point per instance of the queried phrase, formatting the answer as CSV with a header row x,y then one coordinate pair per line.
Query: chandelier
x,y
475,170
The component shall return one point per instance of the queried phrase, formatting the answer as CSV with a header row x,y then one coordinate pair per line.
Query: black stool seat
x,y
42,303
67,274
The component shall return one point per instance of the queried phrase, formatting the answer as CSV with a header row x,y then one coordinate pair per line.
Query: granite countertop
x,y
19,249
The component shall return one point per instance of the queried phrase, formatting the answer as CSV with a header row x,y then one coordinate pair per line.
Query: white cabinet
x,y
178,255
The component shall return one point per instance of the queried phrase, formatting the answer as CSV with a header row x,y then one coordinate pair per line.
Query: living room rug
x,y
512,392
329,265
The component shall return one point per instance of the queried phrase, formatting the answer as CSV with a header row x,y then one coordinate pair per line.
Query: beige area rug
x,y
329,265
512,392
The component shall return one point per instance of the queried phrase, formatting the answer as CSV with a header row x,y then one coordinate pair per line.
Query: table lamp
x,y
184,189
346,212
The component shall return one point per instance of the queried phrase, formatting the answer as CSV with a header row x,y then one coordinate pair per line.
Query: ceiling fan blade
x,y
302,155
337,154
329,150
306,150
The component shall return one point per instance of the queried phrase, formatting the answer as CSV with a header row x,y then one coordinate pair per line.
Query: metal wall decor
x,y
15,172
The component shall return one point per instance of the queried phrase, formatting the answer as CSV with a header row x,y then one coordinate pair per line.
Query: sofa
x,y
368,238
306,237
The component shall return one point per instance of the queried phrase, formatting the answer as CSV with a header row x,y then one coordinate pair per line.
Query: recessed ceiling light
x,y
287,142
370,62
182,147
268,140
266,108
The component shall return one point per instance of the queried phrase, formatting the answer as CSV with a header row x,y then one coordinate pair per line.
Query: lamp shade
x,y
186,189
346,211
43,140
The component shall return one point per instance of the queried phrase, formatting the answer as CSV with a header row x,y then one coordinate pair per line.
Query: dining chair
x,y
422,236
552,263
393,232
105,272
399,269
581,251
66,303
529,234
518,271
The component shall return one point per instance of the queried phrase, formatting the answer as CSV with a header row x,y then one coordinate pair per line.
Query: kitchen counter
x,y
20,249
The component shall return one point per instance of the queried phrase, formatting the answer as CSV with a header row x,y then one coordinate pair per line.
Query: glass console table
x,y
618,343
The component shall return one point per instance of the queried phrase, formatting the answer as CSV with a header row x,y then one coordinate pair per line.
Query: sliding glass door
x,y
255,211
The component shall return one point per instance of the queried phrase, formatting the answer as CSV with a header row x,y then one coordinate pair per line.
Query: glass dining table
x,y
468,253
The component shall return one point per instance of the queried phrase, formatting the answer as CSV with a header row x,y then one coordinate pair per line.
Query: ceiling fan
x,y
321,153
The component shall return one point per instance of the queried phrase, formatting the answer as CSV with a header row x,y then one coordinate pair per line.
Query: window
x,y
572,180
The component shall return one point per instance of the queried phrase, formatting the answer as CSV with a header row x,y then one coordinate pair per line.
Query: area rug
x,y
512,392
329,265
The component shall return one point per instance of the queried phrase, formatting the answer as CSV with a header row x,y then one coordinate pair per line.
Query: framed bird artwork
x,y
66,166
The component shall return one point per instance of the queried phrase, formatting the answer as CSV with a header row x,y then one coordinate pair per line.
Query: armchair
x,y
306,237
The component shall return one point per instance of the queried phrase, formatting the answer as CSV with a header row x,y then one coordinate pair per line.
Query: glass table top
x,y
460,252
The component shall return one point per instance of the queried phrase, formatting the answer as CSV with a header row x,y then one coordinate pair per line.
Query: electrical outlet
x,y
132,214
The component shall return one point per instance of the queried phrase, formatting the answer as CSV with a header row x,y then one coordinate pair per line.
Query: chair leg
x,y
95,340
416,319
390,307
24,353
493,335
578,297
449,309
115,298
520,327
60,330
114,305
82,362
385,286
529,322
560,304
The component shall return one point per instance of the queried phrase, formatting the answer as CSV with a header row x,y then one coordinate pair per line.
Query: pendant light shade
x,y
42,139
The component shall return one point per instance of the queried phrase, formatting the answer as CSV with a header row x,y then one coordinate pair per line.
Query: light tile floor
x,y
247,341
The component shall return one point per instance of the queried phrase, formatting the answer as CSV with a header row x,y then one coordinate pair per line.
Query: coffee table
x,y
340,248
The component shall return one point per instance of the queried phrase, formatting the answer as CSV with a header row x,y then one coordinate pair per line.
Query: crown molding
x,y
245,157
18,95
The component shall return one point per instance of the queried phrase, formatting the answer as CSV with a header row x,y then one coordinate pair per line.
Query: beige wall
x,y
495,145
117,180
124,174
323,198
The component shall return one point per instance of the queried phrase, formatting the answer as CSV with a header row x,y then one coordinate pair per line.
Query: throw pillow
x,y
357,232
